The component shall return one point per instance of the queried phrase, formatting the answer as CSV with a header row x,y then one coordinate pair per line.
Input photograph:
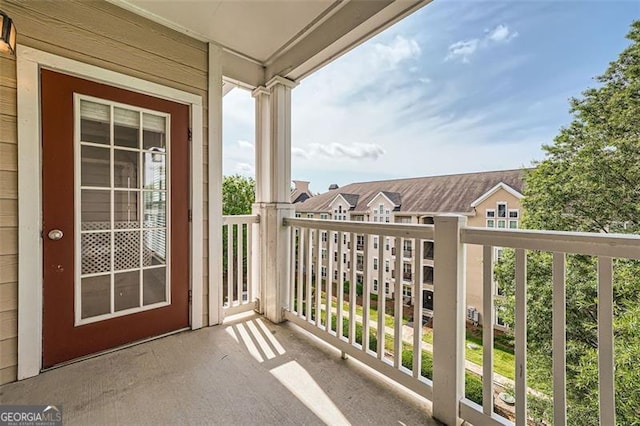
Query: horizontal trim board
x,y
402,230
593,244
472,412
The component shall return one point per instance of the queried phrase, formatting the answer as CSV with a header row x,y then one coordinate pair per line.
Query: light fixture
x,y
7,34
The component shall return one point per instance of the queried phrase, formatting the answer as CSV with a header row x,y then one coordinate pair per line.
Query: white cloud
x,y
501,33
245,169
398,50
299,153
356,151
338,151
425,80
462,49
245,144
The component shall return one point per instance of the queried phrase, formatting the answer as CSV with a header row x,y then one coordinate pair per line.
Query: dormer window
x,y
381,209
502,210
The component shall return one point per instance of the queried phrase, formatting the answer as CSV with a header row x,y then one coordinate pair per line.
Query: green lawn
x,y
504,360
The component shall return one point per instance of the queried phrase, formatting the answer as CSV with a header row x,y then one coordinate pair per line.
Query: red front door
x,y
115,217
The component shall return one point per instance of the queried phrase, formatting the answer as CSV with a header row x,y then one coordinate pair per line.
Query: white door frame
x,y
30,269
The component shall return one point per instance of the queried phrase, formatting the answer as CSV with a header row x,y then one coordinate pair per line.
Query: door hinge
x,y
190,295
190,215
189,135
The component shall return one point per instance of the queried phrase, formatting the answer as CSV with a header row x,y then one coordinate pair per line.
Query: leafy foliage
x,y
238,195
589,181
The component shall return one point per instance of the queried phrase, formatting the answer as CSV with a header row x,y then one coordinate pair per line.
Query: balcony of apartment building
x,y
308,350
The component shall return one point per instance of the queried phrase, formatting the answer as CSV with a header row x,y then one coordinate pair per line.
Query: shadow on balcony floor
x,y
249,371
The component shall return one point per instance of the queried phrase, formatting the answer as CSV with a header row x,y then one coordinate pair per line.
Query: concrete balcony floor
x,y
245,372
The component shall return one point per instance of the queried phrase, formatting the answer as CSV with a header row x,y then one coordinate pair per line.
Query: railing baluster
x,y
319,277
309,265
366,295
521,337
300,263
329,279
353,296
381,299
559,341
398,294
417,311
229,265
249,263
340,284
605,341
293,307
240,262
488,290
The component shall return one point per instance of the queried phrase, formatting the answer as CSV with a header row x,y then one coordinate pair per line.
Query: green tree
x,y
589,181
238,194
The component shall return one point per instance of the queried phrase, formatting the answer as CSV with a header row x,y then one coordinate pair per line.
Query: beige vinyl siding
x,y
8,221
100,34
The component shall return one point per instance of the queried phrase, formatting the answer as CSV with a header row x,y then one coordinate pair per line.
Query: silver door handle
x,y
55,234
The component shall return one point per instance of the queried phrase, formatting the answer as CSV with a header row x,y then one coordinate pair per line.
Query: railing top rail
x,y
593,244
241,218
401,230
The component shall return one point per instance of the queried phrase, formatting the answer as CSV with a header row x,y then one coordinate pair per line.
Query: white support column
x,y
216,314
273,188
448,318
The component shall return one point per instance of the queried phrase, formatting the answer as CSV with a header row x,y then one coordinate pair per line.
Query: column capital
x,y
281,80
260,90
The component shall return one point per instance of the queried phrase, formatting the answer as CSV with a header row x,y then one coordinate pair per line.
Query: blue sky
x,y
458,86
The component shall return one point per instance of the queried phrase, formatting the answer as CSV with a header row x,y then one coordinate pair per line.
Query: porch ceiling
x,y
291,38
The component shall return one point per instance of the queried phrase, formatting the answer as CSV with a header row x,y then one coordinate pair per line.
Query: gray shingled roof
x,y
352,199
433,194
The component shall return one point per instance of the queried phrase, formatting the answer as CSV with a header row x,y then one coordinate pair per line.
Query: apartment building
x,y
487,199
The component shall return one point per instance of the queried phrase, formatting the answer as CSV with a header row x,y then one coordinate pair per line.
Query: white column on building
x,y
273,189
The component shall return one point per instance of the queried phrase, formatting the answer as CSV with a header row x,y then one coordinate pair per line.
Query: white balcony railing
x,y
331,314
240,286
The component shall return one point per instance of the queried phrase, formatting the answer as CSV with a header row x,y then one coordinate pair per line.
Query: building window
x,y
406,291
513,213
375,263
427,274
428,250
360,242
324,254
491,213
375,285
513,224
324,236
344,276
386,219
406,271
386,246
381,209
359,279
298,215
491,223
335,275
386,266
375,243
359,262
387,288
344,257
324,216
335,238
502,224
323,272
502,209
403,219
